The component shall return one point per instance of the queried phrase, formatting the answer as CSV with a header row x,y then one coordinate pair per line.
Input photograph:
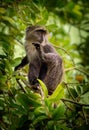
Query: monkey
x,y
44,61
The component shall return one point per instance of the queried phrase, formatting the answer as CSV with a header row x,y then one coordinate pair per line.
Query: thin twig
x,y
21,86
69,69
69,90
84,116
85,83
67,106
65,52
82,71
74,102
76,68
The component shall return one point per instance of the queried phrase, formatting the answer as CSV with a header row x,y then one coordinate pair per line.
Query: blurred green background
x,y
68,24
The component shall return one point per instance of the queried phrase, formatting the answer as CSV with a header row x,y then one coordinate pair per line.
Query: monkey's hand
x,y
37,45
40,50
33,80
22,64
34,83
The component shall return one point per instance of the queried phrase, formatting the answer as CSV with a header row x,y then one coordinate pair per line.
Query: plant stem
x,y
74,102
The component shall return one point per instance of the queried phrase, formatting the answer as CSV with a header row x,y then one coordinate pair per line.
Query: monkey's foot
x,y
37,89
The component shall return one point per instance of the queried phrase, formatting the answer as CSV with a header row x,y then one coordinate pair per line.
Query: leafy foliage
x,y
68,107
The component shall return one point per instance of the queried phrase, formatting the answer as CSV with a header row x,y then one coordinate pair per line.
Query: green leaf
x,y
35,96
2,10
22,120
3,78
8,19
58,112
1,103
57,94
8,66
64,127
79,89
50,125
85,98
27,101
70,5
73,92
44,88
39,111
77,10
39,118
16,61
18,109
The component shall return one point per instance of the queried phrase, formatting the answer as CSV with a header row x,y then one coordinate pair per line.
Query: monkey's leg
x,y
33,76
33,73
22,64
54,72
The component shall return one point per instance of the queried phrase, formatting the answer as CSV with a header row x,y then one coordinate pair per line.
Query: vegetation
x,y
68,107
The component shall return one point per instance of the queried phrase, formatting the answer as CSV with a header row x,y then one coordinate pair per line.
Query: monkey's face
x,y
36,34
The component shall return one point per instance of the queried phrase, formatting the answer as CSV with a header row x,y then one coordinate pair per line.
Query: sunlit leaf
x,y
44,88
26,101
2,10
57,94
38,119
85,98
10,20
35,96
17,61
39,111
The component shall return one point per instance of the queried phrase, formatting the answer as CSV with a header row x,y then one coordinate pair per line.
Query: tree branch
x,y
74,102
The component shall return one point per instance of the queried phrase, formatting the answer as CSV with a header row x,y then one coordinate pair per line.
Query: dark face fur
x,y
36,33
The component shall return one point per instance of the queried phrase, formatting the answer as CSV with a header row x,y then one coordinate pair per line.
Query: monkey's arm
x,y
40,50
22,64
34,73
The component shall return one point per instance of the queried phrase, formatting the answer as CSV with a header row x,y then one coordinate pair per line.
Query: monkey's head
x,y
36,34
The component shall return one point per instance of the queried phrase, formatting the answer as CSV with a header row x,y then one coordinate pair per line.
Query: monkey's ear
x,y
29,28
